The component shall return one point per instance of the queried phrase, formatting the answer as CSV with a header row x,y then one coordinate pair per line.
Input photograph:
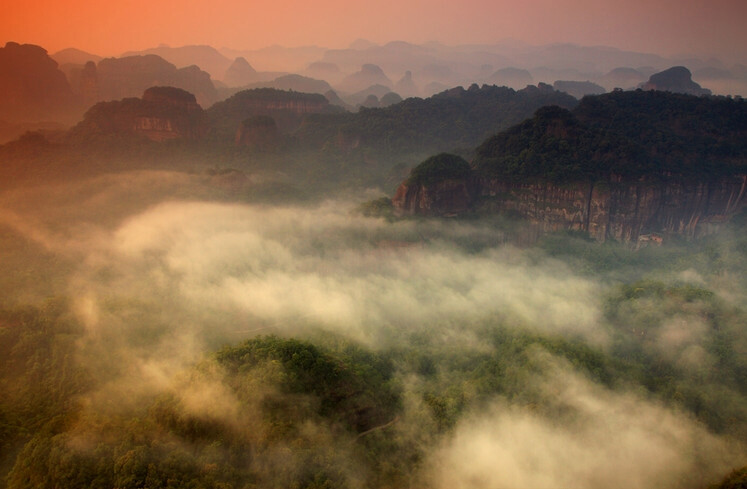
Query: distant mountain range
x,y
440,66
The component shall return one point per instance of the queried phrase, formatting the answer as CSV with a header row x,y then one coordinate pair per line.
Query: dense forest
x,y
624,134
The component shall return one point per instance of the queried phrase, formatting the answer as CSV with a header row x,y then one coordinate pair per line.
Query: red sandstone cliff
x,y
616,210
163,113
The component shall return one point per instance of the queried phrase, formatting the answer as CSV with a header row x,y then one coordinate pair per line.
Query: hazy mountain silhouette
x,y
515,78
368,75
130,76
32,87
578,88
406,86
278,58
295,83
359,98
206,57
240,73
74,56
677,79
625,78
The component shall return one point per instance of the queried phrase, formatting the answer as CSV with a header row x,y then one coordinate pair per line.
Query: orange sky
x,y
715,27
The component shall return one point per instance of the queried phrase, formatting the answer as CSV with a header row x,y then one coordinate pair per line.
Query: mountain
x,y
578,88
74,56
279,58
163,113
295,83
511,77
32,87
368,75
405,86
129,76
390,98
625,78
207,58
287,109
677,79
84,82
376,90
240,73
324,71
618,166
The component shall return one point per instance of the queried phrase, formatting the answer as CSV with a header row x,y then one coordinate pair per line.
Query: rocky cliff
x,y
622,210
287,109
163,113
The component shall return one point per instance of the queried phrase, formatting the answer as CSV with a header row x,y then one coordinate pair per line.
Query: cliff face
x,y
287,108
447,198
163,113
622,210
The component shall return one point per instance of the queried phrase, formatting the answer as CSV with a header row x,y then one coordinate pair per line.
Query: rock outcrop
x,y
32,88
84,82
677,79
443,185
163,113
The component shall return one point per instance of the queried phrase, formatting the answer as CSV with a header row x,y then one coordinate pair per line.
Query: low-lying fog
x,y
160,274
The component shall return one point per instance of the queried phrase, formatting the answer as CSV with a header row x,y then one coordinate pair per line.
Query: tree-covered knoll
x,y
438,168
354,387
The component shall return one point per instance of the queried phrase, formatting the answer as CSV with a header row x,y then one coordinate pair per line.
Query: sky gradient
x,y
668,27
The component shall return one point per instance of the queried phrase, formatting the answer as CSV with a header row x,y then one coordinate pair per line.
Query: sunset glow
x,y
664,27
